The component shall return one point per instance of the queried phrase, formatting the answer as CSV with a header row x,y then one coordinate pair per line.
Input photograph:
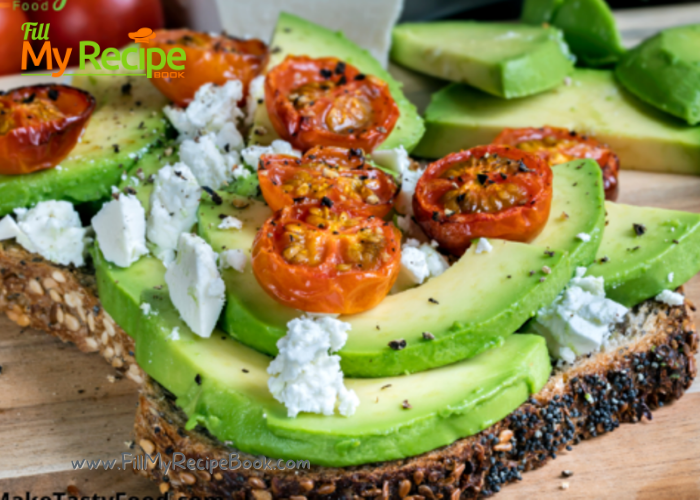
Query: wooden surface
x,y
59,405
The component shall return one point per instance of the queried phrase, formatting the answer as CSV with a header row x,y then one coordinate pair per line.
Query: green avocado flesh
x,y
296,36
482,299
460,117
132,121
506,60
589,27
448,403
665,72
635,267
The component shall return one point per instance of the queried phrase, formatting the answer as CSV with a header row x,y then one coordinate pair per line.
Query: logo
x,y
35,6
91,56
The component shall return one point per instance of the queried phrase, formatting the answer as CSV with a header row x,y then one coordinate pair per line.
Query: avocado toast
x,y
209,375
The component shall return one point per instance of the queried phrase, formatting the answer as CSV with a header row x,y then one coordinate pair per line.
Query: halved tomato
x,y
328,102
559,145
322,260
40,125
488,191
208,59
328,176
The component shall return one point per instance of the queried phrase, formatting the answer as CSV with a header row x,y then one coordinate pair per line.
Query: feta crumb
x,y
135,181
52,229
120,227
670,298
234,259
256,97
212,107
195,285
419,262
229,139
397,160
409,228
209,165
231,223
306,375
585,237
251,155
580,319
174,203
483,246
174,334
670,277
145,308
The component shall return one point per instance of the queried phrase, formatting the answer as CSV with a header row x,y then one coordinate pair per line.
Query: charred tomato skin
x,y
40,125
330,176
525,175
328,281
559,145
327,102
208,59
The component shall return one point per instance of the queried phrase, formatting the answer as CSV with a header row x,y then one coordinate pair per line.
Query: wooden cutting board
x,y
58,405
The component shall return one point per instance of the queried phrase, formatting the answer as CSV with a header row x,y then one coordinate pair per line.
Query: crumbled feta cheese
x,y
229,139
483,246
585,237
251,155
670,277
240,172
212,107
670,298
235,259
145,308
419,262
409,228
174,203
580,320
120,227
196,288
231,223
52,229
398,161
174,334
306,375
209,165
256,97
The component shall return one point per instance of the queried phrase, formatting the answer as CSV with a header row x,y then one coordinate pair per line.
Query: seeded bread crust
x,y
652,365
62,301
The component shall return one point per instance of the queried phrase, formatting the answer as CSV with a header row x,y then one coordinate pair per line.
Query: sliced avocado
x,y
665,72
460,117
126,123
642,248
539,11
480,300
506,60
222,385
296,36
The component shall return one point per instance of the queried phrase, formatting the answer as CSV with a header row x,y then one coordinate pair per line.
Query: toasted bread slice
x,y
651,364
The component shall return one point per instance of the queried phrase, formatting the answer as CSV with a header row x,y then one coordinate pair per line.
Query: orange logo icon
x,y
144,35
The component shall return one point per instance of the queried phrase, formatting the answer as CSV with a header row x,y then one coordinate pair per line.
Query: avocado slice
x,y
505,60
465,321
637,263
665,72
460,117
126,123
296,36
222,385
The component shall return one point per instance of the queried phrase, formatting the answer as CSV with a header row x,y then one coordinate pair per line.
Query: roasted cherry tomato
x,y
322,260
327,102
558,145
208,59
328,176
40,125
488,191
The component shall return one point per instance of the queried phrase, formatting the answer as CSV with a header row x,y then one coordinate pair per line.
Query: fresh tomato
x,y
328,102
105,22
40,125
11,21
559,145
488,191
322,260
208,59
329,176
